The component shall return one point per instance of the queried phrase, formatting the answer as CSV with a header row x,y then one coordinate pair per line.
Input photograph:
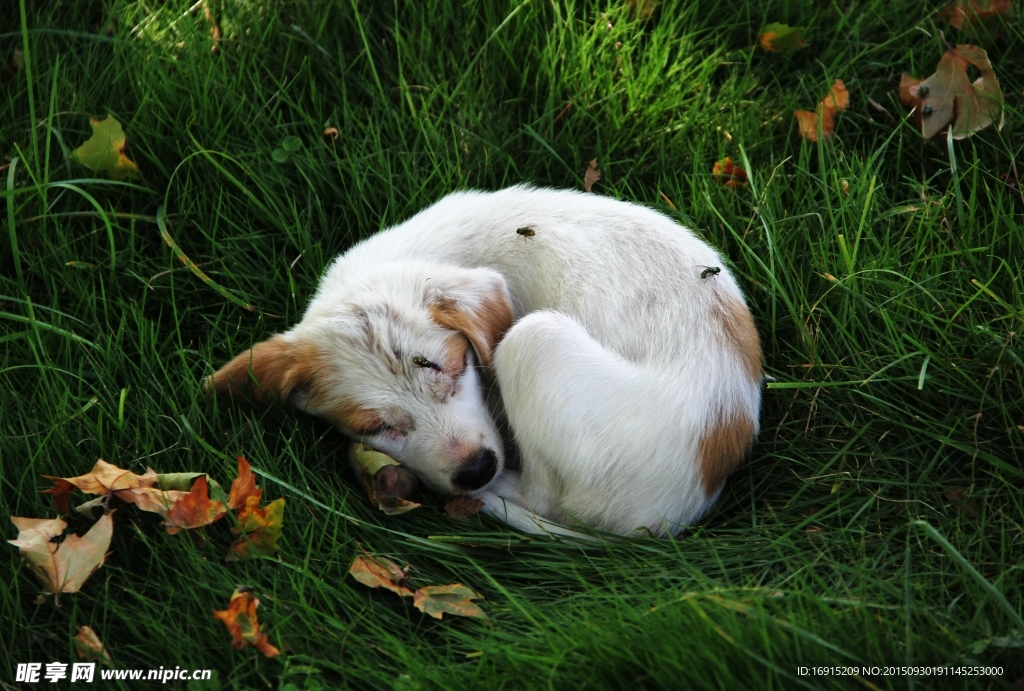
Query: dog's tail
x,y
521,518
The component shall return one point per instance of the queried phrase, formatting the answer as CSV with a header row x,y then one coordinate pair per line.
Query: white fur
x,y
608,377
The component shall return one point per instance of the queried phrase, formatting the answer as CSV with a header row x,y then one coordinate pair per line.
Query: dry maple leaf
x,y
244,486
106,478
436,600
729,174
461,508
781,38
836,100
949,96
104,150
592,175
63,567
90,647
240,620
378,572
262,529
195,509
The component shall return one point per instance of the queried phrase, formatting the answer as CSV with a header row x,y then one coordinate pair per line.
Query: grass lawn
x,y
880,518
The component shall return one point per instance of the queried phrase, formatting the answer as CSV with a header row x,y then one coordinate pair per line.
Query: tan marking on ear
x,y
269,371
455,347
354,417
738,327
721,449
484,326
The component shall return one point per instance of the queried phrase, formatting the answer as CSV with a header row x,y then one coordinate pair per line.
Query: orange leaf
x,y
436,600
90,647
107,478
591,176
195,509
461,508
836,100
63,567
729,174
262,528
782,38
243,486
240,620
377,572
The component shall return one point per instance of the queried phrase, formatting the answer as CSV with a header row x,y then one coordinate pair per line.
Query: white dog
x,y
627,365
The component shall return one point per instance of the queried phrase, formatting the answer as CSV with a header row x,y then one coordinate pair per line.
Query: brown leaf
x,y
240,620
243,487
966,13
591,176
262,528
461,508
64,567
836,100
378,572
107,478
729,174
949,97
436,600
641,9
195,509
90,647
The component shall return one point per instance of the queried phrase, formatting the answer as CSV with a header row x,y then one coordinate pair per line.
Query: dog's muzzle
x,y
478,471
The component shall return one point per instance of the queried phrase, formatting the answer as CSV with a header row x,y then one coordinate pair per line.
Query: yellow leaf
x,y
104,150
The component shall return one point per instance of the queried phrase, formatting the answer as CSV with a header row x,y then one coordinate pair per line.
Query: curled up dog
x,y
594,371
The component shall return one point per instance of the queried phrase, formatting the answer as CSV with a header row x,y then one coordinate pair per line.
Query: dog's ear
x,y
274,369
476,303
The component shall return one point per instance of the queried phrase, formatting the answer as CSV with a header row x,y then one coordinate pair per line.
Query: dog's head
x,y
398,359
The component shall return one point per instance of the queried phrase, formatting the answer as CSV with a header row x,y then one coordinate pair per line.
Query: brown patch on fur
x,y
270,370
455,354
354,417
739,329
722,448
484,326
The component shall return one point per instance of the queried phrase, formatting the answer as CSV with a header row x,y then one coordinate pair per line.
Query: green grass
x,y
884,273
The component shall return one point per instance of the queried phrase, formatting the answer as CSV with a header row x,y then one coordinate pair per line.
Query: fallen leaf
x,y
386,482
90,647
63,567
106,478
949,97
378,572
977,17
194,510
240,620
729,174
641,9
261,528
461,508
331,132
781,38
243,487
836,100
104,150
9,69
436,600
591,176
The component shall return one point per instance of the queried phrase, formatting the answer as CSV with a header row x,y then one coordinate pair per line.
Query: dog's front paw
x,y
395,481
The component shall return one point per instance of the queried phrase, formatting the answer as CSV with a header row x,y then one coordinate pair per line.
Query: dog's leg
x,y
502,500
603,440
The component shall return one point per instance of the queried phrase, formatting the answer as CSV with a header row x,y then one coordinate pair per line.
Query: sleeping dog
x,y
567,358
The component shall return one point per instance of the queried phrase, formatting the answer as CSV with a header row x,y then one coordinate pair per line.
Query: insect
x,y
526,232
421,361
712,270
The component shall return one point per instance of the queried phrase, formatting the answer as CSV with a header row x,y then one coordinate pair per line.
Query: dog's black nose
x,y
478,471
